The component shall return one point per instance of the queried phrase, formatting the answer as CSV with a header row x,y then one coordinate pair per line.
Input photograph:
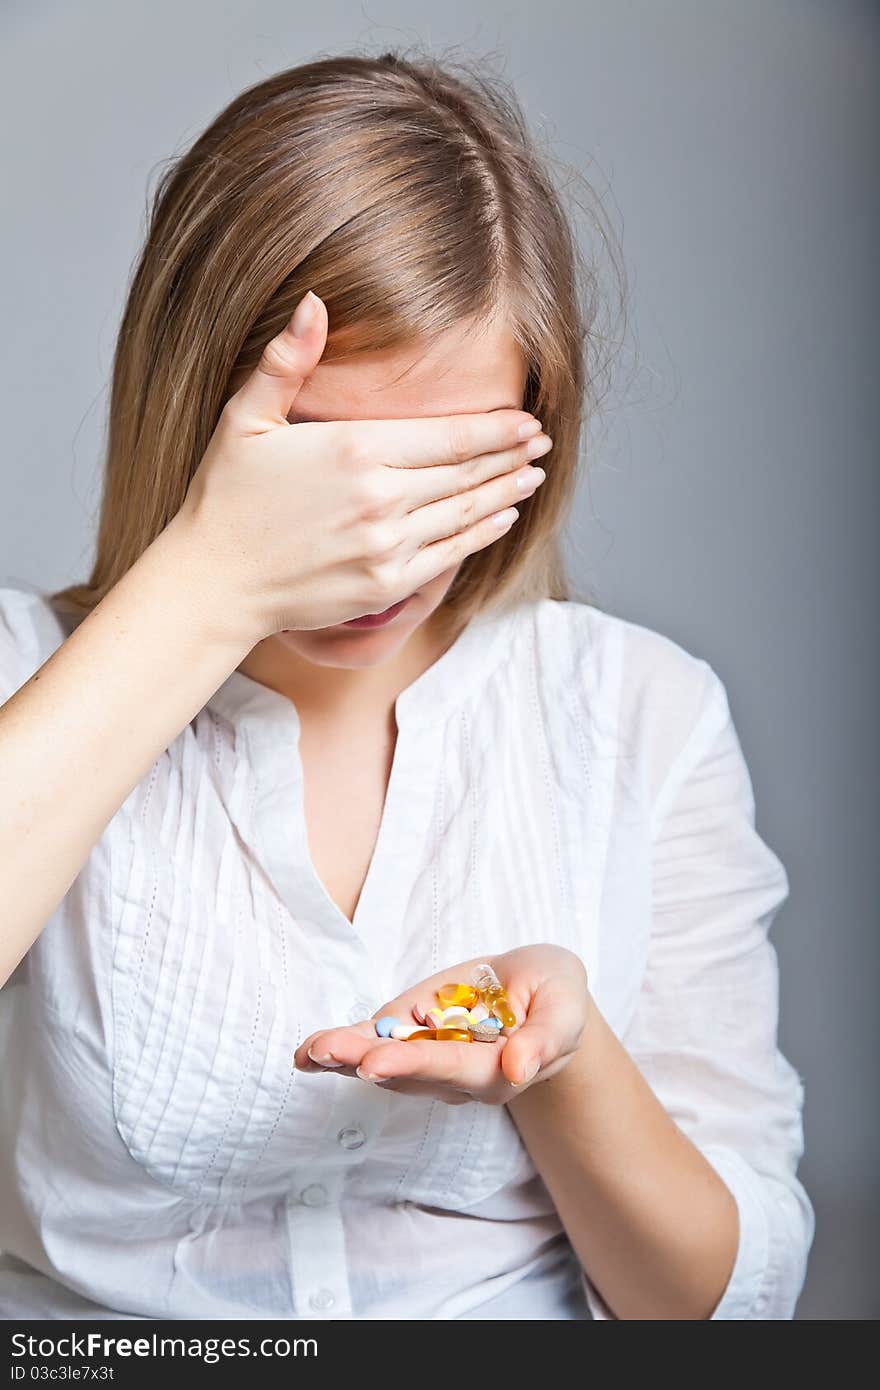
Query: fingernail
x,y
530,1071
506,518
369,1075
528,428
542,444
530,479
304,314
325,1060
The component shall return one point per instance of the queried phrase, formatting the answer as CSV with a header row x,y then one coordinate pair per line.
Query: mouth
x,y
379,619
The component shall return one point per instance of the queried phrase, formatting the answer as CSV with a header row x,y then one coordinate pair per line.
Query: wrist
x,y
588,1057
217,606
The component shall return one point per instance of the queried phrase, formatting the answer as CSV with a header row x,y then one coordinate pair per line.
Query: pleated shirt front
x,y
560,775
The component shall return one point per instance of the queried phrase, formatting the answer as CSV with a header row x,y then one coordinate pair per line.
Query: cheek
x,y
436,588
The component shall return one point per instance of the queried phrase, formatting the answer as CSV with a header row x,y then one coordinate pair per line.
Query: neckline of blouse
x,y
441,687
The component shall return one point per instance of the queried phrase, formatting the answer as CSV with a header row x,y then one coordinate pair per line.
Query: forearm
x,y
81,733
652,1223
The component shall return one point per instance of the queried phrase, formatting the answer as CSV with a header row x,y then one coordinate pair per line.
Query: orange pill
x,y
421,1033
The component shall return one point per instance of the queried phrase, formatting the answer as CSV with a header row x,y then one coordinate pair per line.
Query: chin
x,y
346,647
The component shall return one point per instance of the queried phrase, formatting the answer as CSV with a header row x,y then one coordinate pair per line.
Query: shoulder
x,y
30,631
648,692
648,666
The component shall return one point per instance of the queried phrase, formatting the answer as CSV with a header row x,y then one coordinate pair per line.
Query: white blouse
x,y
560,775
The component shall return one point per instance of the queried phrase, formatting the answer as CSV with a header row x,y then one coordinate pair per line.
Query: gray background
x,y
731,502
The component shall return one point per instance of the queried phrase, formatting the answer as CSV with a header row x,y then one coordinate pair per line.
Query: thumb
x,y
525,1052
286,361
551,1031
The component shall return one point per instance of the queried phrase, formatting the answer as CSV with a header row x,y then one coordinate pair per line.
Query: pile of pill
x,y
473,1012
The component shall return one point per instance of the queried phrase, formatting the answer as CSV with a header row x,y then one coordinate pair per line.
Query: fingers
x,y
267,396
448,1063
447,531
357,1051
445,554
419,487
335,1047
426,441
453,515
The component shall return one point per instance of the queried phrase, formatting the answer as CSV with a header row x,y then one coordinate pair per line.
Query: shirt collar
x,y
442,687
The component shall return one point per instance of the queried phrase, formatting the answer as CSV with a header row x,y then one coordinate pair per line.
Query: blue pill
x,y
384,1025
493,1023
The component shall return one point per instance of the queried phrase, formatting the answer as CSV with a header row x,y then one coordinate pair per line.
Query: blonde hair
x,y
410,196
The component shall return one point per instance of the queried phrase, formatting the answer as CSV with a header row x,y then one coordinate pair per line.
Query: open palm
x,y
547,989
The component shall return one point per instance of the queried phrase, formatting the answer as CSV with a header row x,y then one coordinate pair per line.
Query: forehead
x,y
467,368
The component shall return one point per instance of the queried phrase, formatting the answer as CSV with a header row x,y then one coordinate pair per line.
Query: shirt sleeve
x,y
704,1033
20,653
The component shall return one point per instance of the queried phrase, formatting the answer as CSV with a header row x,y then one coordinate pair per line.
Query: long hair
x,y
409,194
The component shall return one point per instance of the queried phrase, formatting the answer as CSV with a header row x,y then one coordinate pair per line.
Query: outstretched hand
x,y
547,989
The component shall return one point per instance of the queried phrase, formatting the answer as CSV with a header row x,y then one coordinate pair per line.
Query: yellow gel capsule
x,y
501,1009
441,1035
447,995
492,994
497,1001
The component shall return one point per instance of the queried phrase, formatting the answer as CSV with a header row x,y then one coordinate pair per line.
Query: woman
x,y
322,732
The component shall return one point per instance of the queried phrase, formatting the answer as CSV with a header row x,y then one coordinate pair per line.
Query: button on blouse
x,y
559,775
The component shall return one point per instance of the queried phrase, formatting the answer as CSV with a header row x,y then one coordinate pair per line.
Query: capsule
x,y
502,1010
441,1034
447,995
492,994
